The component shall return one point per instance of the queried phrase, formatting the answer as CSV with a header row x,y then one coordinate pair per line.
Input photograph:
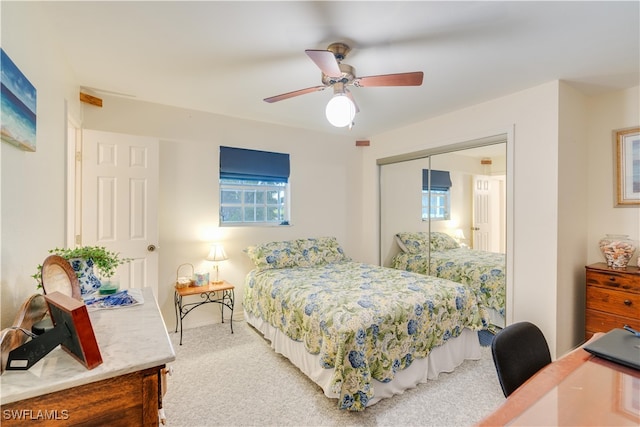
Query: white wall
x,y
572,223
322,182
33,183
607,113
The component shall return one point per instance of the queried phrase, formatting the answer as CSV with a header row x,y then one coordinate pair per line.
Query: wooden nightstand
x,y
612,298
220,293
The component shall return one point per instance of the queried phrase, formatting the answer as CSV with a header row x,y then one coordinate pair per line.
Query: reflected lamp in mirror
x,y
216,254
458,234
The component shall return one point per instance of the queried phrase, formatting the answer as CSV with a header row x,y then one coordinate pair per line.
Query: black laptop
x,y
617,345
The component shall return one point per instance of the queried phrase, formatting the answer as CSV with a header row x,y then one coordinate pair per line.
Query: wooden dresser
x,y
612,298
122,391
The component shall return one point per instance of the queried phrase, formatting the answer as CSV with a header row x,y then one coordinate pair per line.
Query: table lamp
x,y
459,236
216,254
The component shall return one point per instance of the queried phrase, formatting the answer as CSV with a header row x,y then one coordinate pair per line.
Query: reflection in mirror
x,y
445,215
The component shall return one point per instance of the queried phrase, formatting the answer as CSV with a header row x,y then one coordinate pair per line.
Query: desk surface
x,y
130,339
577,389
211,287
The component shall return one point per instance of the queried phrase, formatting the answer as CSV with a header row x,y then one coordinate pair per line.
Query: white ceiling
x,y
225,57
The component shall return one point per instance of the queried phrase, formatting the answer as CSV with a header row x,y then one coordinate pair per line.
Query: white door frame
x,y
73,182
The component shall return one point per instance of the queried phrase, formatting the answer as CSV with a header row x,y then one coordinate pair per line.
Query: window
x,y
252,202
436,197
439,207
254,187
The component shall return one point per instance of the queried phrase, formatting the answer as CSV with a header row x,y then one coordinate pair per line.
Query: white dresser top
x,y
130,339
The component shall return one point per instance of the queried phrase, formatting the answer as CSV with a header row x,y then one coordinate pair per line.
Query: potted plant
x,y
84,260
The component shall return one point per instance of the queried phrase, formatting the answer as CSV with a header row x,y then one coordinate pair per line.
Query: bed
x,y
361,332
438,254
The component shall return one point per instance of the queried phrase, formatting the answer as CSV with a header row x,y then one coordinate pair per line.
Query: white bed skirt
x,y
441,359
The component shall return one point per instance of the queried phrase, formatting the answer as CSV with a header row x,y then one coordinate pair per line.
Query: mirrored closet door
x,y
443,213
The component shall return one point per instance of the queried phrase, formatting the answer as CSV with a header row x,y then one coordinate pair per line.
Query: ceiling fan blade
x,y
294,93
326,61
350,96
401,79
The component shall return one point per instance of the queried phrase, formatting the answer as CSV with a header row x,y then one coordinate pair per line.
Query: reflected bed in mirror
x,y
439,254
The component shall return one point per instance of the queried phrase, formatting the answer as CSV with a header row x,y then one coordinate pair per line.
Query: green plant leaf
x,y
104,261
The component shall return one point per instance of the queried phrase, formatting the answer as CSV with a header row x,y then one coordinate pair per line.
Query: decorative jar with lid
x,y
617,249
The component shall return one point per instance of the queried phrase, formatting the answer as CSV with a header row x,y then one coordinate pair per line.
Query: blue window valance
x,y
253,165
440,180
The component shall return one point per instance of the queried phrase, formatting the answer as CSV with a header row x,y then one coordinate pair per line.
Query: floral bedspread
x,y
483,271
363,320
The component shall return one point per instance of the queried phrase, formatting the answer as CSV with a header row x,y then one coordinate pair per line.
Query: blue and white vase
x,y
89,282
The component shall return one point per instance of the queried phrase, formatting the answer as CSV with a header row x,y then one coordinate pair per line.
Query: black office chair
x,y
519,351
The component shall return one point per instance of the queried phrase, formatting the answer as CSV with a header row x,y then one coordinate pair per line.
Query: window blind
x,y
440,180
253,165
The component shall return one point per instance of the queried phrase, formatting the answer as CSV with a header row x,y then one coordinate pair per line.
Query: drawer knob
x,y
612,278
627,302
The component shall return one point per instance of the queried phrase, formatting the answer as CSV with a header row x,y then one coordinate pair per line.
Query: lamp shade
x,y
216,253
340,110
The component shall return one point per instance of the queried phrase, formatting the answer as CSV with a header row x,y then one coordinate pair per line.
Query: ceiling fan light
x,y
340,110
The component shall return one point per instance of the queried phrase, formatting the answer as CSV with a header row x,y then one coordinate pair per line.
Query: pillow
x,y
320,251
413,242
274,255
400,243
442,241
296,253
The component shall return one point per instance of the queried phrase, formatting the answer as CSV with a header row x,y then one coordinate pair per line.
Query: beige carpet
x,y
220,379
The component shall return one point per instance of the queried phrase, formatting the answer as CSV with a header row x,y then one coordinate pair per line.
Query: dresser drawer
x,y
614,279
612,298
597,321
613,301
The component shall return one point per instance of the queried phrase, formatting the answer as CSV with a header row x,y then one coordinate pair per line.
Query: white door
x,y
119,202
489,206
481,213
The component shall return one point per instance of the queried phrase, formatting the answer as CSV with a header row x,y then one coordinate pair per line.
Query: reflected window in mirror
x,y
436,205
436,195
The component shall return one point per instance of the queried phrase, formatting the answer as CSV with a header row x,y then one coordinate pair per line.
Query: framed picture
x,y
627,143
627,402
72,331
18,97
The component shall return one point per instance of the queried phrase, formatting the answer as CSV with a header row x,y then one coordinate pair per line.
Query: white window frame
x,y
440,202
251,186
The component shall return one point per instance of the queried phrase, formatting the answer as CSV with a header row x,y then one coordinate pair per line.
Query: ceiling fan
x,y
342,107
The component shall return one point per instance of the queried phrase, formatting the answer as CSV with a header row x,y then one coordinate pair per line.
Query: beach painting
x,y
18,118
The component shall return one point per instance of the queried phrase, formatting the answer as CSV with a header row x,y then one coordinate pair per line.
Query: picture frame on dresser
x,y
627,166
72,331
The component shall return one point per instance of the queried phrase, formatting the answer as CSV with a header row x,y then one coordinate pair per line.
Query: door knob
x,y
151,248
